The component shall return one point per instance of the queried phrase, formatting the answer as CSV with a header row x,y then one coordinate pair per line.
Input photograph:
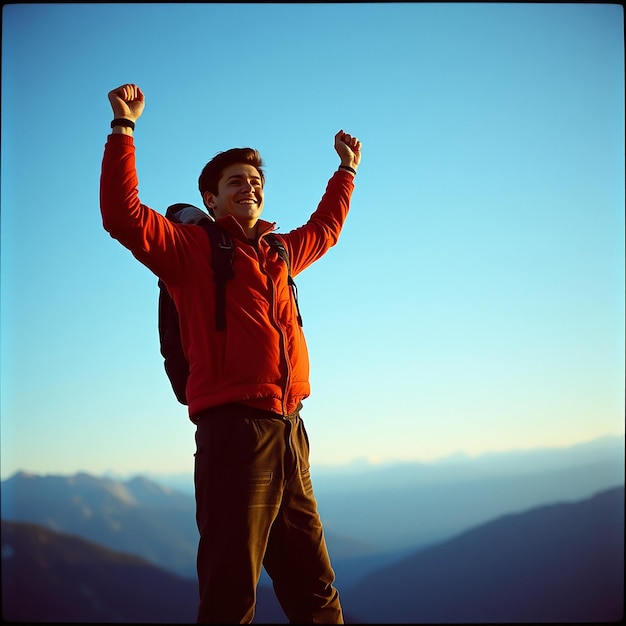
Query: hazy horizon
x,y
353,466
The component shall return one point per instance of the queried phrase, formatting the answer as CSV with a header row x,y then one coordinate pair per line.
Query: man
x,y
254,499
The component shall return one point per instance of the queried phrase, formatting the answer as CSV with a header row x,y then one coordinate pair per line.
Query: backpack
x,y
222,251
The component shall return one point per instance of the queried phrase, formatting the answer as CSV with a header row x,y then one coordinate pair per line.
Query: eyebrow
x,y
236,176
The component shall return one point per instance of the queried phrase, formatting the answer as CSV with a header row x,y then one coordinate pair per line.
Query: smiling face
x,y
240,194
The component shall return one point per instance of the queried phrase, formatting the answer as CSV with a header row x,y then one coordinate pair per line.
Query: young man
x,y
254,499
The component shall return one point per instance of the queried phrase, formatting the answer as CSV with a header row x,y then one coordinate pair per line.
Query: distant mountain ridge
x,y
429,502
136,516
558,563
371,517
361,474
54,577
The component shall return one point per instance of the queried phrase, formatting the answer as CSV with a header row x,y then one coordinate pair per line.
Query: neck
x,y
249,227
249,230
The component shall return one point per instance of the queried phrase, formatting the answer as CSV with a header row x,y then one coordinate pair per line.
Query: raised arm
x,y
312,240
163,247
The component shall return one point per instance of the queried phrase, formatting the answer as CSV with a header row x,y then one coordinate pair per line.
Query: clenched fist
x,y
348,148
127,101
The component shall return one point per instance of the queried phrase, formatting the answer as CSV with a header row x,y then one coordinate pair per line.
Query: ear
x,y
209,202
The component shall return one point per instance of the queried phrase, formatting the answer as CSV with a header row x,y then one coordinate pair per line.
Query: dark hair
x,y
212,171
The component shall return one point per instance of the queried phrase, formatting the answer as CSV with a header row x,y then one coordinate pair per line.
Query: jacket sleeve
x,y
156,242
309,242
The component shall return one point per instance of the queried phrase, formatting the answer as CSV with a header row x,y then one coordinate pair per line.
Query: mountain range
x,y
556,563
375,517
372,514
410,505
428,502
49,576
560,563
137,516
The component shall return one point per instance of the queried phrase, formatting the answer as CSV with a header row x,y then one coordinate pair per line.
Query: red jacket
x,y
261,358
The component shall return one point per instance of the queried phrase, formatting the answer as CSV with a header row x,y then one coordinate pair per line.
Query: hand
x,y
127,101
348,148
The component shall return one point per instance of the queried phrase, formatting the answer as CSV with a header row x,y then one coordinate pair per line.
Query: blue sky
x,y
475,301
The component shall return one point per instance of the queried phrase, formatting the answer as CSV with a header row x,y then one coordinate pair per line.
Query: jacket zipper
x,y
283,341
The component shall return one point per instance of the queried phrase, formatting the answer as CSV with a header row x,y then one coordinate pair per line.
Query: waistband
x,y
238,410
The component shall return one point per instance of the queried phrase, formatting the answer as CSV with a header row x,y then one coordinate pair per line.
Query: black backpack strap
x,y
222,251
279,246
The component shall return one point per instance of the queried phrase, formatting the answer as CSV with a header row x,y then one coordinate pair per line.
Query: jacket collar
x,y
233,227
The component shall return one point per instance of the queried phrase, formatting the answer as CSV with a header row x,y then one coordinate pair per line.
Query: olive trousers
x,y
255,507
